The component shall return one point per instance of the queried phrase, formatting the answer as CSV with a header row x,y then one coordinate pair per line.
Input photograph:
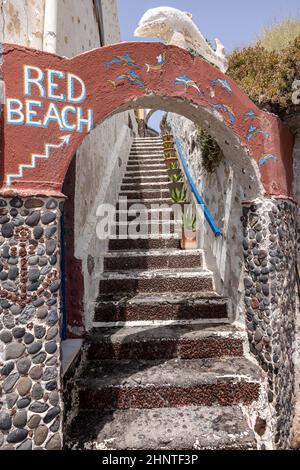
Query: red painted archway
x,y
51,103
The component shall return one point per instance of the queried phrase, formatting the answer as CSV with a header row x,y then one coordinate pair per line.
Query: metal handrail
x,y
211,222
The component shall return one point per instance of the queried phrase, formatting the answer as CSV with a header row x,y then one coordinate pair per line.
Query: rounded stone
x,y
17,436
38,232
52,361
18,332
13,273
51,204
43,261
27,314
52,333
23,365
50,386
48,217
50,231
10,286
36,373
34,421
50,373
3,276
38,407
32,260
34,348
7,230
15,309
39,302
20,419
54,398
52,318
8,321
40,434
3,203
33,219
26,445
11,399
39,358
14,350
53,260
1,439
51,414
4,219
37,392
5,421
33,274
51,348
39,331
28,338
6,336
55,426
23,403
10,382
24,386
54,443
16,202
7,368
42,312
50,247
54,287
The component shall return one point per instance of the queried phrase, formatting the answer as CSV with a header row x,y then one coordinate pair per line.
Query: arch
x,y
53,102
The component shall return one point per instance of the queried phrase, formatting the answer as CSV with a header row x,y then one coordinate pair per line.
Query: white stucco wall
x,y
102,157
222,195
22,22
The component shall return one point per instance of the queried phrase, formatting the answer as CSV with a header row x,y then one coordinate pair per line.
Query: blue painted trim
x,y
194,189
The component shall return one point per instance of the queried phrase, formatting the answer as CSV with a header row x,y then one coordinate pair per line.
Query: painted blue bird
x,y
188,83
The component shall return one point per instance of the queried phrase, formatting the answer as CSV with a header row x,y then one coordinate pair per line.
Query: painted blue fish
x,y
159,65
132,77
254,131
249,115
223,83
265,158
124,59
227,110
188,83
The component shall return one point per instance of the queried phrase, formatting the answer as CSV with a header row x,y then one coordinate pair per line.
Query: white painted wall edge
x,y
50,26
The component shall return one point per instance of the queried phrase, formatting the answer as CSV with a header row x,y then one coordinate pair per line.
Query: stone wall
x,y
270,301
30,415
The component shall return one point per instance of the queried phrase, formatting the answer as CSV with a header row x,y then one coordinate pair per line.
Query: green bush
x,y
267,76
211,154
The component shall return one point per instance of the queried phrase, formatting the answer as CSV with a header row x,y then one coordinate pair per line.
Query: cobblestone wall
x,y
270,298
31,406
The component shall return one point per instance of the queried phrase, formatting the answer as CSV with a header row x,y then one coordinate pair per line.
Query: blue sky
x,y
235,22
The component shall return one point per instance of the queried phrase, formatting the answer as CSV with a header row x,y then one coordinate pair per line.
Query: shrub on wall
x,y
267,75
211,153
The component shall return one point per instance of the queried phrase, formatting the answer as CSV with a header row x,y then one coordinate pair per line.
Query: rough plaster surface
x,y
222,193
22,22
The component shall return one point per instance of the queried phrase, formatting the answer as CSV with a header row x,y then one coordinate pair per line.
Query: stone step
x,y
143,179
147,203
115,261
147,155
147,243
155,160
162,214
129,384
142,185
165,342
145,194
145,229
146,167
156,281
146,173
166,307
185,428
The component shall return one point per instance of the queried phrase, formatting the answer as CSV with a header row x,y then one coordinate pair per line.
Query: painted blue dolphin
x,y
265,158
223,83
226,110
188,83
132,77
124,59
254,131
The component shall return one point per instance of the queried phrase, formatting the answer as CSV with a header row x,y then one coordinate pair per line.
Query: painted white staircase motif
x,y
35,156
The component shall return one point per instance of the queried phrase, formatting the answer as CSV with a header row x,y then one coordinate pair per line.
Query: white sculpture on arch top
x,y
177,27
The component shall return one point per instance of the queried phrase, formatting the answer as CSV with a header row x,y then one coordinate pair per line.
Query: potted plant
x,y
176,181
189,234
178,196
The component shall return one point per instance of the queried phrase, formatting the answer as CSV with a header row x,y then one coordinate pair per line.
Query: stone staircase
x,y
164,367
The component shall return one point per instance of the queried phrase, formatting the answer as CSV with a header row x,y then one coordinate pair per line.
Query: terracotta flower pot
x,y
189,242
